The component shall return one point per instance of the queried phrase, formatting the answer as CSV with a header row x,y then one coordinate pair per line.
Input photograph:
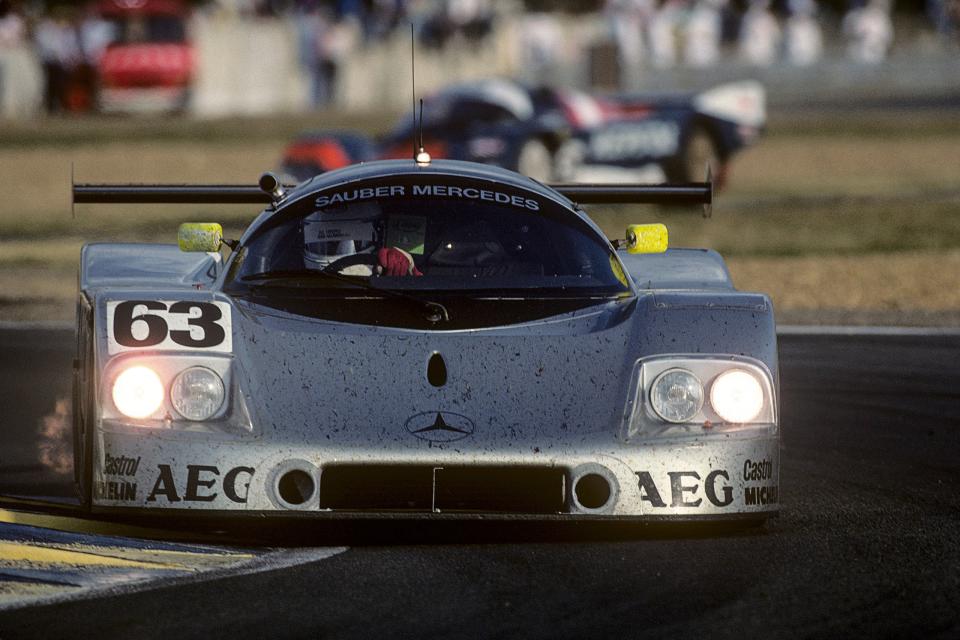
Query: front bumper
x,y
707,478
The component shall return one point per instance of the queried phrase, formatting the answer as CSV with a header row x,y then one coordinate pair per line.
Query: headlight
x,y
736,396
676,395
138,392
197,393
701,396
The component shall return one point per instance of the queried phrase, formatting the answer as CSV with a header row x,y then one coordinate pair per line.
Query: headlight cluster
x,y
196,393
679,392
735,395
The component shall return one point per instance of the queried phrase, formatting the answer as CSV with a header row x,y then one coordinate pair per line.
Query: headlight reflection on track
x,y
138,392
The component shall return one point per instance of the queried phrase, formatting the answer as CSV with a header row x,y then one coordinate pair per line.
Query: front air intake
x,y
417,488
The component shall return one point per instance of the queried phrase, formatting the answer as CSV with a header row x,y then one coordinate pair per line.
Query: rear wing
x,y
671,194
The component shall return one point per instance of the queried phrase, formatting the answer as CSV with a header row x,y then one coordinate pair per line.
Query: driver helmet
x,y
327,237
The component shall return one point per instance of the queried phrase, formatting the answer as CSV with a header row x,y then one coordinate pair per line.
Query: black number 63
x,y
156,324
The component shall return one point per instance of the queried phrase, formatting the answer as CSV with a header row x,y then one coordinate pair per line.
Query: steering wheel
x,y
353,259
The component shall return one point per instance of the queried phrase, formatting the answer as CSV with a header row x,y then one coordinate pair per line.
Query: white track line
x,y
270,560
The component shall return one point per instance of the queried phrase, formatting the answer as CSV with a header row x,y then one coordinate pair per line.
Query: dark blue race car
x,y
559,134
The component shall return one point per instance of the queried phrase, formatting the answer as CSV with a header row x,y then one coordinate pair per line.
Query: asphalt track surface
x,y
866,546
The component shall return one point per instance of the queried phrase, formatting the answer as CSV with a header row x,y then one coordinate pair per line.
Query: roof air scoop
x,y
272,186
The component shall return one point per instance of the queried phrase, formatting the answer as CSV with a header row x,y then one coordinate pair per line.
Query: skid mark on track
x,y
71,558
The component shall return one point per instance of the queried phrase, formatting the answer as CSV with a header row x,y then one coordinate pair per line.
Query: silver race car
x,y
424,339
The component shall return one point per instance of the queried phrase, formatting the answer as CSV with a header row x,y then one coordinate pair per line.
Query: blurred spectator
x,y
804,40
95,34
702,34
315,28
952,20
13,31
869,32
628,21
435,30
663,33
12,36
58,46
352,10
759,35
324,44
471,20
384,17
945,16
541,43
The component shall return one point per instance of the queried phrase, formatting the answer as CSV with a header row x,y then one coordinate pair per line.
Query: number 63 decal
x,y
168,325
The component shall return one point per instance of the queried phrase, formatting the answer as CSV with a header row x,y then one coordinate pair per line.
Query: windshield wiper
x,y
434,311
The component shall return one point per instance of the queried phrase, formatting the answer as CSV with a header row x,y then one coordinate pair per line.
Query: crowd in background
x,y
330,31
659,34
68,42
68,38
700,33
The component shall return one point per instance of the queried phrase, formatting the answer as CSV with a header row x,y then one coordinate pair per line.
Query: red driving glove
x,y
397,262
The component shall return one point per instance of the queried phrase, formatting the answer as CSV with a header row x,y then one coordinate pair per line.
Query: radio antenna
x,y
420,127
420,156
413,92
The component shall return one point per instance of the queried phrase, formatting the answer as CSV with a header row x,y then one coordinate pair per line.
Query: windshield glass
x,y
431,233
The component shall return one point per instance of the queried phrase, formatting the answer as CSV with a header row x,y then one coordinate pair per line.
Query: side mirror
x,y
646,238
200,236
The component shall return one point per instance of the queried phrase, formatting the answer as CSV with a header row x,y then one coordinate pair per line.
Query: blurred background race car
x,y
148,63
559,134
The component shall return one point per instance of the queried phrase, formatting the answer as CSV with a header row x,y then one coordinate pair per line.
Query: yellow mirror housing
x,y
200,236
646,238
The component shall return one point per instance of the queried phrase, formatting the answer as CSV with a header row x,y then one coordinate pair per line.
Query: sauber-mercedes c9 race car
x,y
423,339
559,134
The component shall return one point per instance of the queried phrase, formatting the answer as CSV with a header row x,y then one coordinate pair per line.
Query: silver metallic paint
x,y
550,392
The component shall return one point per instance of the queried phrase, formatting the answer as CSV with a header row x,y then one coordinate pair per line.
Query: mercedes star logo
x,y
439,426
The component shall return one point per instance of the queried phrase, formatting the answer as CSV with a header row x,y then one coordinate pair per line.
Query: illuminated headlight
x,y
676,395
197,393
701,396
138,392
736,396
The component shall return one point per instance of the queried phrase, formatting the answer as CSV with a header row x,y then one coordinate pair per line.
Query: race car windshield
x,y
433,237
